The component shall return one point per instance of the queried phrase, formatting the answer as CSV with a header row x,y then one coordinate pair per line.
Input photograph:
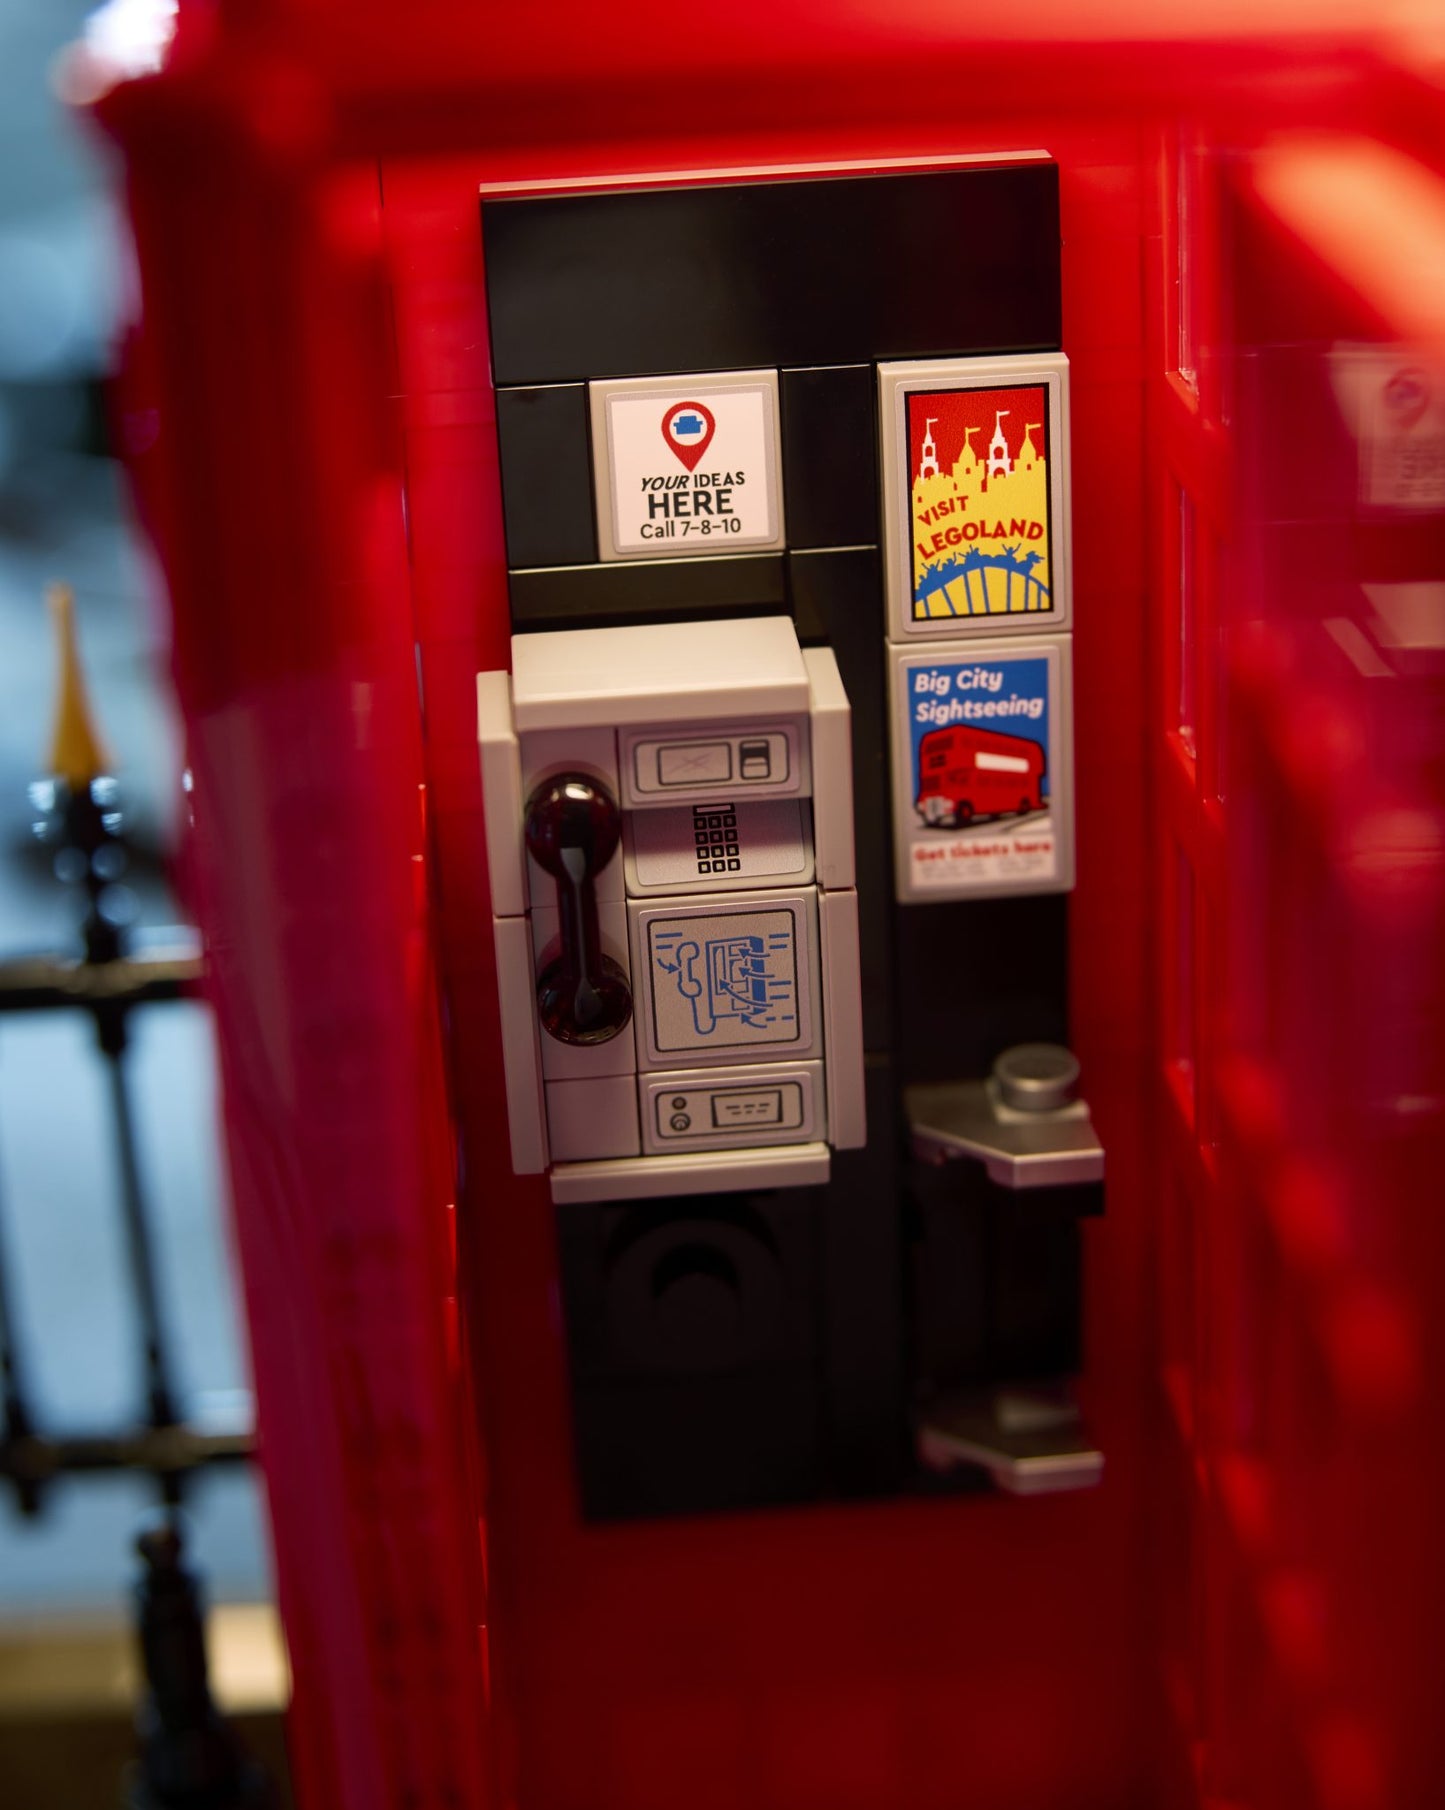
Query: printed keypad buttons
x,y
718,845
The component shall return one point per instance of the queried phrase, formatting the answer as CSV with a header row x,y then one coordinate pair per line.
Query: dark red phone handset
x,y
572,828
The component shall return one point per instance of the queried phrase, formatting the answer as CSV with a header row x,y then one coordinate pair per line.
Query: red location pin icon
x,y
1407,396
688,429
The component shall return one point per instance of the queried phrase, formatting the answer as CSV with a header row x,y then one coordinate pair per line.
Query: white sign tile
x,y
1395,406
975,462
983,768
687,465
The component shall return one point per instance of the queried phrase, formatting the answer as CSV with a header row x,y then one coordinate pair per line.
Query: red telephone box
x,y
1244,1611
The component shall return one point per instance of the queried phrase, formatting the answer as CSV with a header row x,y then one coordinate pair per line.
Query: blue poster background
x,y
933,688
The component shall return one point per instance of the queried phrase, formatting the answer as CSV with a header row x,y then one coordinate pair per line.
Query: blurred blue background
x,y
63,515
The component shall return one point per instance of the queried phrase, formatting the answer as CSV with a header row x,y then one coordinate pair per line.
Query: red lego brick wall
x,y
1242,1614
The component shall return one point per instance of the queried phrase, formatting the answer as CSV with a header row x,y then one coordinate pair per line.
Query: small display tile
x,y
687,465
732,1109
975,457
717,980
983,769
662,766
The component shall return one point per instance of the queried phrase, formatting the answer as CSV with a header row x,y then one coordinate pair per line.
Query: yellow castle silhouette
x,y
980,530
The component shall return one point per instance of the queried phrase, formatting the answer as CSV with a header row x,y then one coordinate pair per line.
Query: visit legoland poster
x,y
980,527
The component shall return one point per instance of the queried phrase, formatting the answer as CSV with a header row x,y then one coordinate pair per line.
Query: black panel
x,y
1035,1296
838,271
996,1295
658,590
950,1276
546,476
975,977
763,1348
830,456
861,1304
692,1347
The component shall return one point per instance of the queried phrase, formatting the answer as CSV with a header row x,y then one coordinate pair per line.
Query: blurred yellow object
x,y
77,753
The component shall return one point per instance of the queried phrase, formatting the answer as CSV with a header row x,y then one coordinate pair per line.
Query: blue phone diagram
x,y
739,983
728,977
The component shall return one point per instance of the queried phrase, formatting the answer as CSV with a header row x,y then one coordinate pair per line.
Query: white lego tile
x,y
661,672
686,465
732,1108
547,752
720,845
521,1054
701,1172
726,980
976,489
501,793
574,1062
843,1019
591,1120
983,768
832,726
663,765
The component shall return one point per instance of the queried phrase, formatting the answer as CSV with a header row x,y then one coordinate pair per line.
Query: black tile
x,y
861,1305
547,501
949,1275
701,1446
830,456
691,1345
831,271
974,977
657,590
1035,1293
996,1285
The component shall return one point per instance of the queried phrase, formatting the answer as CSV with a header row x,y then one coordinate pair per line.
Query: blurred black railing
x,y
109,980
188,1757
109,987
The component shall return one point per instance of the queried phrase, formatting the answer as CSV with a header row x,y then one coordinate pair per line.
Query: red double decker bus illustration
x,y
967,773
